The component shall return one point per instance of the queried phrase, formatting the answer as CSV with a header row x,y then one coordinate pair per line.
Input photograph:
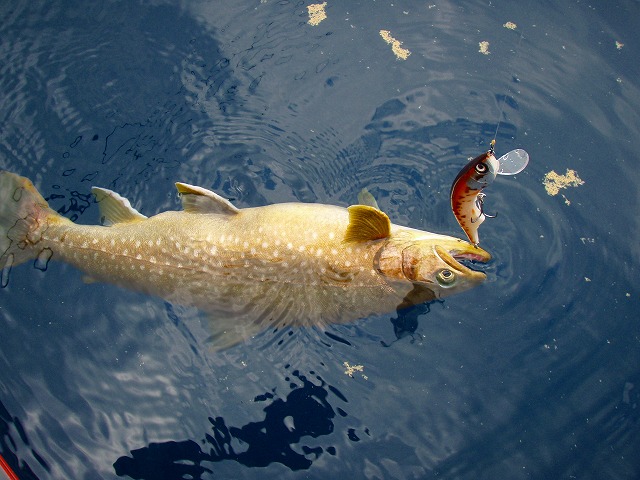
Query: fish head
x,y
432,262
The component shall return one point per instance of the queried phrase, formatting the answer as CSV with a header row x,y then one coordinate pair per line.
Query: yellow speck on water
x,y
351,369
510,25
619,45
316,13
400,53
553,182
484,47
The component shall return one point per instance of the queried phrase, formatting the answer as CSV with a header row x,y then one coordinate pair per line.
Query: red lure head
x,y
466,199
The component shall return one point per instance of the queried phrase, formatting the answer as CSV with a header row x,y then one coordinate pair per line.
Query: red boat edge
x,y
6,473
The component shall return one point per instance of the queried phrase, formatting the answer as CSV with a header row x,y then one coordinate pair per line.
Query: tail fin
x,y
24,215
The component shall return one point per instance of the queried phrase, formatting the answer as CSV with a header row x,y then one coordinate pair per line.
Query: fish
x,y
274,266
466,193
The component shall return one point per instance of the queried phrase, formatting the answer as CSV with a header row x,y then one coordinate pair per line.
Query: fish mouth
x,y
459,255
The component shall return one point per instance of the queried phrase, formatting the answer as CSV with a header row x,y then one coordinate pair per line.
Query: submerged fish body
x,y
277,265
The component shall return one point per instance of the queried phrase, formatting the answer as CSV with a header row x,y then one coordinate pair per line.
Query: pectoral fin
x,y
200,200
366,223
114,208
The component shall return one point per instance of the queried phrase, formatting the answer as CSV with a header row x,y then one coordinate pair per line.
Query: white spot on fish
x,y
318,252
347,263
289,246
158,242
301,248
332,235
112,242
314,235
245,244
222,238
85,245
213,250
265,245
334,252
152,259
150,243
94,241
138,243
125,252
138,257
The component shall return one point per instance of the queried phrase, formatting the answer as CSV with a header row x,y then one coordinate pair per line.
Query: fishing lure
x,y
467,198
466,193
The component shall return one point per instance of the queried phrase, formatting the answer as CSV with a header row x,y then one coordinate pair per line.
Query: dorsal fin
x,y
200,200
114,208
366,198
366,223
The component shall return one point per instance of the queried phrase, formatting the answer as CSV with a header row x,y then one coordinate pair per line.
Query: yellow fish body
x,y
277,265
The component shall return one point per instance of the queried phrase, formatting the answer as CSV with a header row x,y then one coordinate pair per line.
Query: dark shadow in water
x,y
305,412
8,446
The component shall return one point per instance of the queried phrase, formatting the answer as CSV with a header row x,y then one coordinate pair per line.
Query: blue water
x,y
535,374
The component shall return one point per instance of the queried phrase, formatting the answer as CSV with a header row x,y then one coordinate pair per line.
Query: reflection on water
x,y
279,437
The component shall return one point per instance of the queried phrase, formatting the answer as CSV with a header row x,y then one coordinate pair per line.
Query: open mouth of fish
x,y
468,259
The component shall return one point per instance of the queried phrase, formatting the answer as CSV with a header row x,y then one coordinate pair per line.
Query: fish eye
x,y
446,277
481,168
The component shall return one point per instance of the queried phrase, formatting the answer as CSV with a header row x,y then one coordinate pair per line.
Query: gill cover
x,y
417,268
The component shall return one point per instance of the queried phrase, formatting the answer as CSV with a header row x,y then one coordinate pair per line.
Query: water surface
x,y
532,375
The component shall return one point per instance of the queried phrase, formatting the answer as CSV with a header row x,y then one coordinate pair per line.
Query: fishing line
x,y
504,98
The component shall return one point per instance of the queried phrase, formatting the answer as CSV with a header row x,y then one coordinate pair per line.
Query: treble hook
x,y
480,205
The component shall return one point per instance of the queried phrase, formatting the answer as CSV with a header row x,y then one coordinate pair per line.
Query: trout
x,y
289,264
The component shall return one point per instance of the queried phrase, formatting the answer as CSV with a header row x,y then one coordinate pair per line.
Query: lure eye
x,y
446,277
481,168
